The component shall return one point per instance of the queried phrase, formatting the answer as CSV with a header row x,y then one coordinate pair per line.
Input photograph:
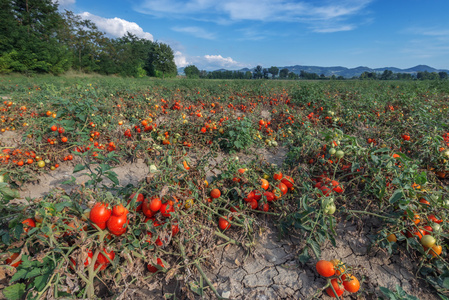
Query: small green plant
x,y
398,295
237,136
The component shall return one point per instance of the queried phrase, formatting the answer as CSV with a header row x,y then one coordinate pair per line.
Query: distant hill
x,y
345,72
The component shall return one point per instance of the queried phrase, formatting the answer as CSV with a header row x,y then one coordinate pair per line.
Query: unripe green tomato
x,y
330,209
428,241
332,151
339,154
436,227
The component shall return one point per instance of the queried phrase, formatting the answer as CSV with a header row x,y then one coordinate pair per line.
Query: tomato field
x,y
225,163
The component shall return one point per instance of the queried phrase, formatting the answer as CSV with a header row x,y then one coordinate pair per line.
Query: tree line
x,y
35,37
259,72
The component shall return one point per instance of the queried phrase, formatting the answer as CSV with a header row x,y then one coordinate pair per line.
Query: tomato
x,y
41,164
264,207
434,219
264,184
428,229
167,209
12,258
223,223
338,266
28,223
139,201
428,241
435,251
249,197
103,260
392,238
119,210
154,269
288,181
277,176
351,283
270,196
283,188
86,262
215,193
54,128
155,204
339,289
100,214
257,195
424,201
330,209
325,191
117,225
61,130
339,154
241,171
325,268
174,228
253,204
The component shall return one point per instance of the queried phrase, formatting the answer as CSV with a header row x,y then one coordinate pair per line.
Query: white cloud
x,y
181,60
117,27
334,29
196,31
304,11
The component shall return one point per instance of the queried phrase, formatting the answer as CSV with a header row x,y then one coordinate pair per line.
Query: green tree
x,y
161,60
443,75
258,72
283,73
192,71
273,71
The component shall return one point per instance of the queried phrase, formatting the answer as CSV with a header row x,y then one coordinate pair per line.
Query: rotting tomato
x,y
12,258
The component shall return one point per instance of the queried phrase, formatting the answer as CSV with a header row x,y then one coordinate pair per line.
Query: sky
x,y
236,34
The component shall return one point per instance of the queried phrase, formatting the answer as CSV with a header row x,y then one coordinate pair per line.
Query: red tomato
x,y
223,223
338,287
270,196
100,213
325,268
155,204
283,188
167,209
119,210
28,223
139,201
288,181
257,195
154,269
12,258
277,176
117,225
249,197
103,261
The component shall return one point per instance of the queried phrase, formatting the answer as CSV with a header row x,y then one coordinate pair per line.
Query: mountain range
x,y
343,71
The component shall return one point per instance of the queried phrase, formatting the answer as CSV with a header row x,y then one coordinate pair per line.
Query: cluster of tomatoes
x,y
339,279
257,199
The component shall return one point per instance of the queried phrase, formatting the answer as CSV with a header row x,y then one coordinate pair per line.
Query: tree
x,y
273,71
283,73
192,71
248,75
292,75
443,75
387,75
265,73
258,72
162,60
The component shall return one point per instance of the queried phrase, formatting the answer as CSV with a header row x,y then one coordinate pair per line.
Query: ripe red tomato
x,y
288,181
434,219
277,176
28,224
338,287
167,209
119,210
146,209
257,195
215,193
155,204
61,130
265,185
223,223
325,268
100,214
154,269
103,260
264,207
117,225
270,196
54,128
13,258
86,262
249,197
139,201
283,188
351,284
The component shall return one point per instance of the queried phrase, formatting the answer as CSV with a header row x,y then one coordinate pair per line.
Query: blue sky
x,y
234,34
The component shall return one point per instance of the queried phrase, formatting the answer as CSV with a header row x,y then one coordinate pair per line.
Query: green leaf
x,y
6,239
60,206
41,281
304,256
445,283
14,292
20,274
78,167
18,230
396,196
113,177
8,193
33,273
315,248
71,181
